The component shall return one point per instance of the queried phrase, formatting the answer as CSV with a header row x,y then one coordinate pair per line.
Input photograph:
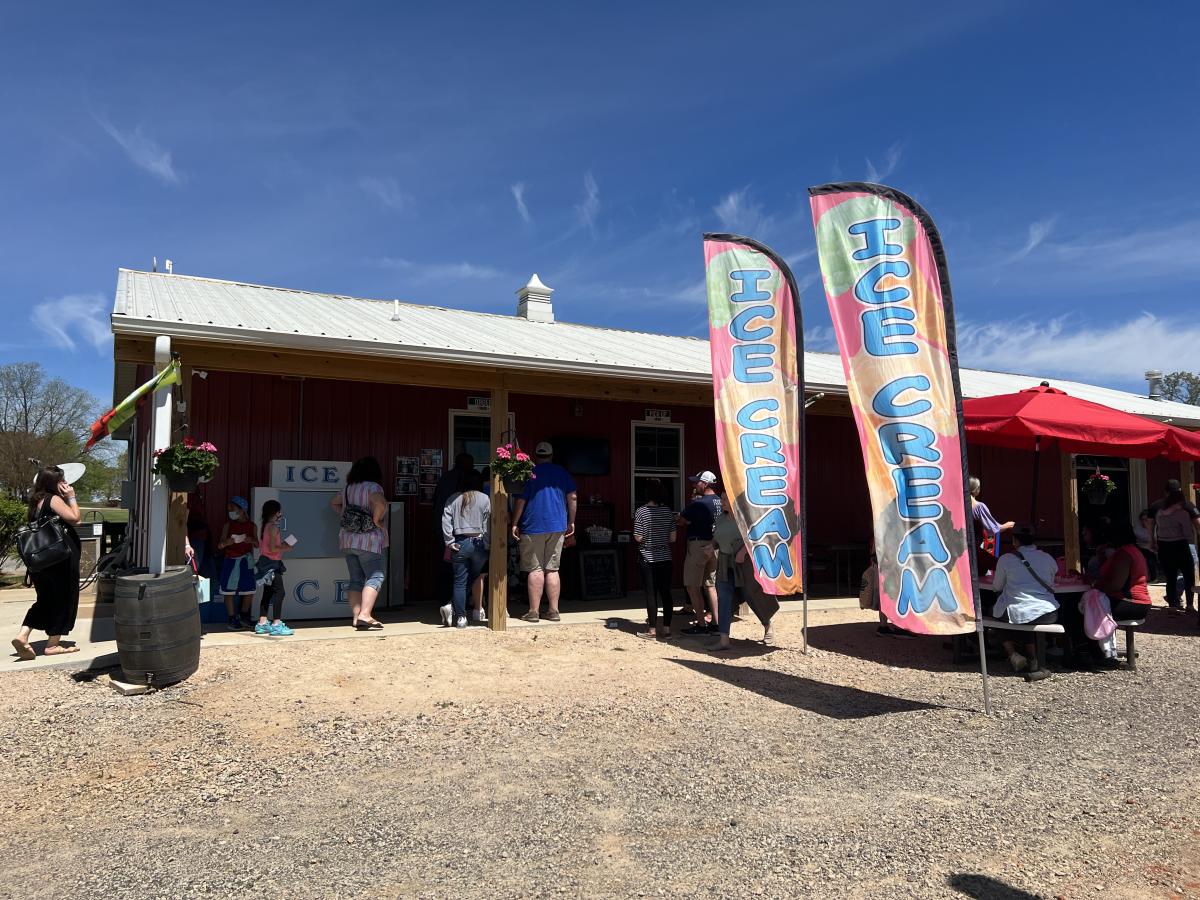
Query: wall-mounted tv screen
x,y
582,455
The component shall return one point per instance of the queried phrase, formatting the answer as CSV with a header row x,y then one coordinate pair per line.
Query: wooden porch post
x,y
498,562
177,510
1187,472
1070,507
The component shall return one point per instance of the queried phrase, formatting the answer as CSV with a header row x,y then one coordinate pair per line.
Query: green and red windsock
x,y
123,411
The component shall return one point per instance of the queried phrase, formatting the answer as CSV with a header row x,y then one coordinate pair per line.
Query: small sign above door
x,y
658,415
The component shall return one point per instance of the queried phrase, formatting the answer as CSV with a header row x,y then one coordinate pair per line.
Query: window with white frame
x,y
657,454
471,432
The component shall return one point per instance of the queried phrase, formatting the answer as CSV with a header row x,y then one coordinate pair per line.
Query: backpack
x,y
356,519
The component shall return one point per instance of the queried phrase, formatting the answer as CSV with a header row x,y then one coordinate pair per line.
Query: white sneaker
x,y
1019,662
461,622
478,615
447,613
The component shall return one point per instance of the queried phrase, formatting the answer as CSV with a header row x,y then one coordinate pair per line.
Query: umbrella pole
x,y
1037,467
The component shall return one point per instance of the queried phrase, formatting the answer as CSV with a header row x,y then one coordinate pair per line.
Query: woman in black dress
x,y
58,586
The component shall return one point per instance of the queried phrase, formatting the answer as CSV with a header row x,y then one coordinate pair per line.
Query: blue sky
x,y
393,150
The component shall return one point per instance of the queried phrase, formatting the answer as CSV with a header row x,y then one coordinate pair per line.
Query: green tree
x,y
13,514
43,418
1183,387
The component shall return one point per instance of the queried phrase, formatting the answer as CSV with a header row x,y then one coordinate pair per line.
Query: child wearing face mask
x,y
268,572
238,540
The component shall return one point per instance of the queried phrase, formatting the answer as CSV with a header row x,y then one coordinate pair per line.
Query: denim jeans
x,y
468,562
725,592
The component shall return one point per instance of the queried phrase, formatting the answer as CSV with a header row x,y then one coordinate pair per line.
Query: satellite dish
x,y
72,472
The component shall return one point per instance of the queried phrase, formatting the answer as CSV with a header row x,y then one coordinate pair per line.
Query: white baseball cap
x,y
543,449
706,476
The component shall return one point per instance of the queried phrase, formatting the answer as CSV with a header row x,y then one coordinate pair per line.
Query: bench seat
x,y
989,622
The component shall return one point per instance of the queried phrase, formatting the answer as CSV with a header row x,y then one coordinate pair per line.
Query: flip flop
x,y
59,650
374,625
24,651
362,626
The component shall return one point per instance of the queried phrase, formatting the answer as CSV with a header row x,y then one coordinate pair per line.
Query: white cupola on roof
x,y
533,301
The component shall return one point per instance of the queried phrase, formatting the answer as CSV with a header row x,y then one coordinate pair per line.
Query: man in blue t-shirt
x,y
544,517
700,564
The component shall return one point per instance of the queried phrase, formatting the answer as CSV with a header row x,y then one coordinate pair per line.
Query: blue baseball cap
x,y
240,503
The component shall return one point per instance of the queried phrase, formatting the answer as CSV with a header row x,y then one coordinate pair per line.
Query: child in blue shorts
x,y
239,538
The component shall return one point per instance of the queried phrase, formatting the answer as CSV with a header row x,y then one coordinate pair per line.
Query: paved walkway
x,y
94,635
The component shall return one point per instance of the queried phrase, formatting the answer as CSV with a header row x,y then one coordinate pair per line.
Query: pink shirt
x,y
272,544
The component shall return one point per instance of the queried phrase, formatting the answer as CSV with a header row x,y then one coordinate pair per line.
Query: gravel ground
x,y
585,762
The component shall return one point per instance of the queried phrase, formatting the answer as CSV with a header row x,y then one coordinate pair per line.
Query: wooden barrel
x,y
157,626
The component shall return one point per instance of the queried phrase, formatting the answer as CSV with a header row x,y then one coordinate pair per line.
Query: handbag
x,y
356,519
43,543
203,586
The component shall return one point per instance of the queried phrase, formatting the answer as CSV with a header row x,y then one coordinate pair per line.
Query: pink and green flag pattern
x,y
889,295
123,411
758,394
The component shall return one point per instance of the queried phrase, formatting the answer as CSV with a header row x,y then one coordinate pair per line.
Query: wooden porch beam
x,y
498,561
382,370
1070,502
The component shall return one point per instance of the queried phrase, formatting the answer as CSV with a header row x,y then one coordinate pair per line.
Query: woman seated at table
x,y
1024,586
1097,548
1123,577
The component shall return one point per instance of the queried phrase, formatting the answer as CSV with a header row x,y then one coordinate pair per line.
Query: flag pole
x,y
987,694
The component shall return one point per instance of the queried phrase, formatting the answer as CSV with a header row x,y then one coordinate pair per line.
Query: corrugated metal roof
x,y
209,309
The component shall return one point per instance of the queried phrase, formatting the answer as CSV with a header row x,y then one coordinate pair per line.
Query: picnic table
x,y
1066,591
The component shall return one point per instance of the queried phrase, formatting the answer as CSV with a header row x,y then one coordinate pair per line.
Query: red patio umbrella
x,y
1044,416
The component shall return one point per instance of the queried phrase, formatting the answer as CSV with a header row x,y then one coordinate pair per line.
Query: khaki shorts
x,y
540,552
700,567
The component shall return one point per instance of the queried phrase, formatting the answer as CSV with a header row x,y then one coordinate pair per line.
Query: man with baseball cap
x,y
700,565
543,518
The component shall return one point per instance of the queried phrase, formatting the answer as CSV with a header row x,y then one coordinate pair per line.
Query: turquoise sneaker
x,y
262,628
281,630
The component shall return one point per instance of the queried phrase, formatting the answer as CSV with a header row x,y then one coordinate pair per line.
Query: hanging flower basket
x,y
186,464
513,466
1097,488
183,484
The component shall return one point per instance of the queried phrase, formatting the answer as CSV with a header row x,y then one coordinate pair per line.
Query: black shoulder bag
x,y
43,542
1036,576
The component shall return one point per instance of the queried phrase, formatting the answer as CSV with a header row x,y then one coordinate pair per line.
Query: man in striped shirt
x,y
654,532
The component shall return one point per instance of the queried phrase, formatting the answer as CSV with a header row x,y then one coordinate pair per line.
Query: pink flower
x,y
508,446
189,442
523,457
532,476
502,453
208,447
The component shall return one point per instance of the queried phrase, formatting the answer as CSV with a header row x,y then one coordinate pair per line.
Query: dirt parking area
x,y
578,761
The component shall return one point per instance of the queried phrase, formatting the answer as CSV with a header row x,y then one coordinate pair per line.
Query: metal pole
x,y
987,696
804,629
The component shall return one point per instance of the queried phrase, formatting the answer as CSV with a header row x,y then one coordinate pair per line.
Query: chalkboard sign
x,y
600,571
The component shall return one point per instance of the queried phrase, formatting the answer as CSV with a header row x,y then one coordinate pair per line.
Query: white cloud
x,y
518,192
1068,346
892,159
740,215
422,273
82,317
590,207
387,191
1038,232
143,151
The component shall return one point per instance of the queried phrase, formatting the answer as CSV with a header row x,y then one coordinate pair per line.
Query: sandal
x,y
24,651
59,650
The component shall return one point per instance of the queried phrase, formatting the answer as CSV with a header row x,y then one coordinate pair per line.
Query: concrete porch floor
x,y
94,635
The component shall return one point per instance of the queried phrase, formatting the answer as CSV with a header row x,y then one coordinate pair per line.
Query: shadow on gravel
x,y
832,700
859,639
984,887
